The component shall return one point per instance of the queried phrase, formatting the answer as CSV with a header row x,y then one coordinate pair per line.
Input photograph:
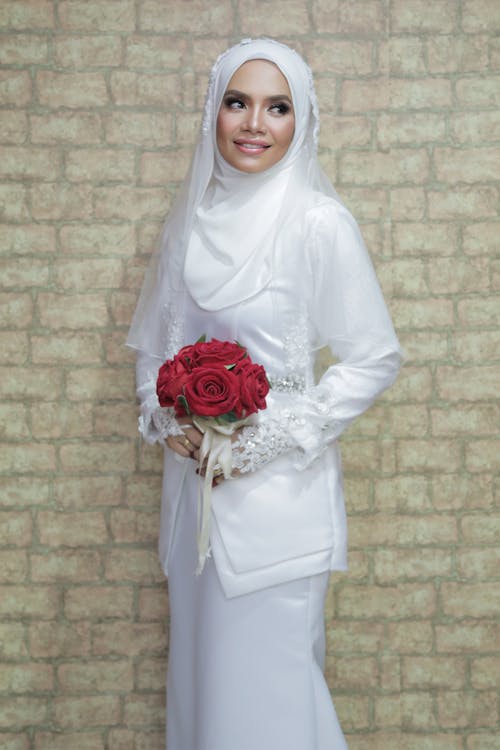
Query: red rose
x,y
217,352
172,376
212,391
254,388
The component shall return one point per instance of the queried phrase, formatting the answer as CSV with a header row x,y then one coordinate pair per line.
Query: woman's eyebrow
x,y
273,98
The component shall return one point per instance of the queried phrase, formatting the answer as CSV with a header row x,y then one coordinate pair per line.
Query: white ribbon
x,y
216,449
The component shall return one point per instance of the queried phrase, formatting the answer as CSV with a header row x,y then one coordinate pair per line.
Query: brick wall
x,y
100,101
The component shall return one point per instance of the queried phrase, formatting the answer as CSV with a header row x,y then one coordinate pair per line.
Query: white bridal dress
x,y
247,639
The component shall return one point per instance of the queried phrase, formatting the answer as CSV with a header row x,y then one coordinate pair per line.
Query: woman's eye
x,y
232,103
281,108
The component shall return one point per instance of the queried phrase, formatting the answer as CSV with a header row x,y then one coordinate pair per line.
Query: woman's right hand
x,y
188,444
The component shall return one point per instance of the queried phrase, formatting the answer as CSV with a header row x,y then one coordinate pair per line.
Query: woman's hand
x,y
187,445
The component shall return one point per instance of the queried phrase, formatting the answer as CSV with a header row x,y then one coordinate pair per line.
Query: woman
x,y
260,250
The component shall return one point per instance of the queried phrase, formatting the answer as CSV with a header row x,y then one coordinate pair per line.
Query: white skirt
x,y
244,672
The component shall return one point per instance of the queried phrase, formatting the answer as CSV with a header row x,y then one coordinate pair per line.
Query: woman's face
x,y
256,121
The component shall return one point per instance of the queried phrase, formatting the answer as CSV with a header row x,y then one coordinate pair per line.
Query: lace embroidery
x,y
257,445
165,422
287,383
173,328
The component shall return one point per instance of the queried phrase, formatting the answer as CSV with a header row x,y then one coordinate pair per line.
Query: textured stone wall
x,y
100,101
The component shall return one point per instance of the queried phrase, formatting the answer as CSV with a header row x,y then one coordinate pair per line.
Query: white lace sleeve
x,y
155,422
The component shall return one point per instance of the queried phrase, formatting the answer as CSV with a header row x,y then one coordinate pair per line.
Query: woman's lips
x,y
251,147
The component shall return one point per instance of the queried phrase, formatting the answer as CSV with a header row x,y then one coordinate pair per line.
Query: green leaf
x,y
202,338
183,401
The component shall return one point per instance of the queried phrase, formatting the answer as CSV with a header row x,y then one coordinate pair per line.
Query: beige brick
x,y
485,671
100,384
480,15
101,239
358,17
403,277
13,643
122,307
41,383
134,526
150,674
91,457
405,493
479,311
23,711
419,93
403,600
130,203
23,272
153,603
14,421
14,126
143,709
66,740
385,529
466,165
403,165
478,92
73,90
467,383
476,346
61,420
16,310
360,455
54,639
100,165
469,599
466,636
38,602
362,96
422,313
147,129
27,239
468,275
342,132
56,201
355,672
414,383
481,238
469,419
390,673
90,15
462,203
407,420
115,420
27,14
402,55
96,602
425,239
86,712
465,709
84,348
15,88
187,129
167,166
144,89
412,711
350,636
193,16
462,492
96,273
475,127
87,492
479,564
410,637
129,639
433,671
13,563
415,128
417,16
20,491
72,529
147,51
136,565
483,455
450,54
483,741
26,458
16,528
96,677
421,347
340,56
13,203
65,565
23,49
87,51
23,163
79,128
26,678
72,311
429,455
407,564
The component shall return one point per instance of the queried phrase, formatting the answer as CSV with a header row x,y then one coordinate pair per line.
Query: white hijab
x,y
211,243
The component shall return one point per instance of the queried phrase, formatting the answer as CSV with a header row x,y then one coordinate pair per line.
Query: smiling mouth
x,y
255,147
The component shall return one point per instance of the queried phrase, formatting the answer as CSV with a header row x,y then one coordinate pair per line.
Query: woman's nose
x,y
255,121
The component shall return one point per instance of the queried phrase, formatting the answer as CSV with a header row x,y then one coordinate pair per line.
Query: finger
x,y
174,445
194,435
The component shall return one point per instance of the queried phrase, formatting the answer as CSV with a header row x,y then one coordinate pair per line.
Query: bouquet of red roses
x,y
220,388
